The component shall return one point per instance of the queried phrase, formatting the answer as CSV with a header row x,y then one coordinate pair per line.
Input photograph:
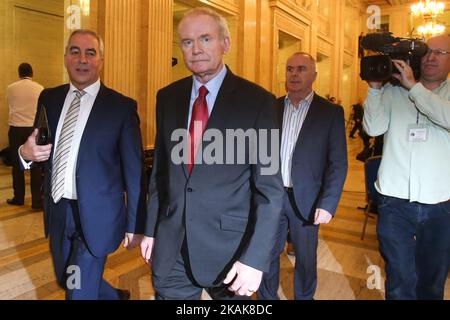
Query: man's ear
x,y
227,45
102,59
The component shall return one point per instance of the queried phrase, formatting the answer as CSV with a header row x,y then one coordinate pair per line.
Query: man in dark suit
x,y
212,224
94,187
314,168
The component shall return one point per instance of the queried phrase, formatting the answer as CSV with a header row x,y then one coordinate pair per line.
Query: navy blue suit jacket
x,y
319,162
109,170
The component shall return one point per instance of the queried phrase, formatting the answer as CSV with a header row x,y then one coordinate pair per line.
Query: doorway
x,y
287,46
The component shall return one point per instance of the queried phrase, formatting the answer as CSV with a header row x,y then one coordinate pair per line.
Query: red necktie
x,y
199,119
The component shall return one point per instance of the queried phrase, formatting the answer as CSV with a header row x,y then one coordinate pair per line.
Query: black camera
x,y
379,68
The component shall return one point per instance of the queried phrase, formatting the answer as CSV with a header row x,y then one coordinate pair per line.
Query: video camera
x,y
379,67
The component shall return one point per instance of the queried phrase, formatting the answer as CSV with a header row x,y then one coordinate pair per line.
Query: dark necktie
x,y
199,119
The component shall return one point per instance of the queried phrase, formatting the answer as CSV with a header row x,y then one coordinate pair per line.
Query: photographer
x,y
413,179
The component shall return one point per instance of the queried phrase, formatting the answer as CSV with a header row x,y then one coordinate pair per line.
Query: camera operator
x,y
413,180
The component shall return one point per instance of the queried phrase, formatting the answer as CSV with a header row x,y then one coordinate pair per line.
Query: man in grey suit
x,y
211,225
314,168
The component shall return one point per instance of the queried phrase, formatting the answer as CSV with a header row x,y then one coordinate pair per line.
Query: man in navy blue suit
x,y
94,184
313,166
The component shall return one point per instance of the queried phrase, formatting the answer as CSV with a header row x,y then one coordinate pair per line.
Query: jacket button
x,y
189,190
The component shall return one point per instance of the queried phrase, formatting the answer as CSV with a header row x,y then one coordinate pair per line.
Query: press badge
x,y
417,133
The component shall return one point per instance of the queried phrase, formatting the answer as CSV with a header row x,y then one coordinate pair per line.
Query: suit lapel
x,y
54,109
94,117
313,113
182,102
221,111
280,111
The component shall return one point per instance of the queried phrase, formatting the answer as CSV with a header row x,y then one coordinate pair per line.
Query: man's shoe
x,y
290,249
14,202
124,294
37,208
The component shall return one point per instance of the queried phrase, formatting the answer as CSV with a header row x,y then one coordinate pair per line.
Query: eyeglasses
x,y
437,52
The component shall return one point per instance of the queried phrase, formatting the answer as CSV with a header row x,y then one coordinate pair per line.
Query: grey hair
x,y
306,54
90,32
221,21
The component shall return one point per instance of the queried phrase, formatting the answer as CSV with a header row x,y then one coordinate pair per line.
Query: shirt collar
x,y
212,85
443,84
91,90
307,98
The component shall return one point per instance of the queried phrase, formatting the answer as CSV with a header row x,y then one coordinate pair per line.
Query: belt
x,y
288,189
69,200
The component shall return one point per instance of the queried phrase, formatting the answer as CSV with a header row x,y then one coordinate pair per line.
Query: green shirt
x,y
418,171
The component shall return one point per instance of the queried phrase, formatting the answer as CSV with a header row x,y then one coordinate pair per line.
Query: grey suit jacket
x,y
227,212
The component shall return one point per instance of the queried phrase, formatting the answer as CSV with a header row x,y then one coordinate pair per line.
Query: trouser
x,y
18,136
180,284
77,270
415,244
356,127
304,236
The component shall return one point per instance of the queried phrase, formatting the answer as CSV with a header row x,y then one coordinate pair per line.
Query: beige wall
x,y
33,32
322,85
140,42
287,45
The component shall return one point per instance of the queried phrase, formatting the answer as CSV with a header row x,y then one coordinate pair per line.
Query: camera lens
x,y
382,68
376,68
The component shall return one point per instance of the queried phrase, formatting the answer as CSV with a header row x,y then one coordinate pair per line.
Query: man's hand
x,y
322,216
247,279
30,151
406,76
132,240
147,244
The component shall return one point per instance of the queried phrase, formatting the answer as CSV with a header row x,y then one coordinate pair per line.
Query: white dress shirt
x,y
87,102
293,118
